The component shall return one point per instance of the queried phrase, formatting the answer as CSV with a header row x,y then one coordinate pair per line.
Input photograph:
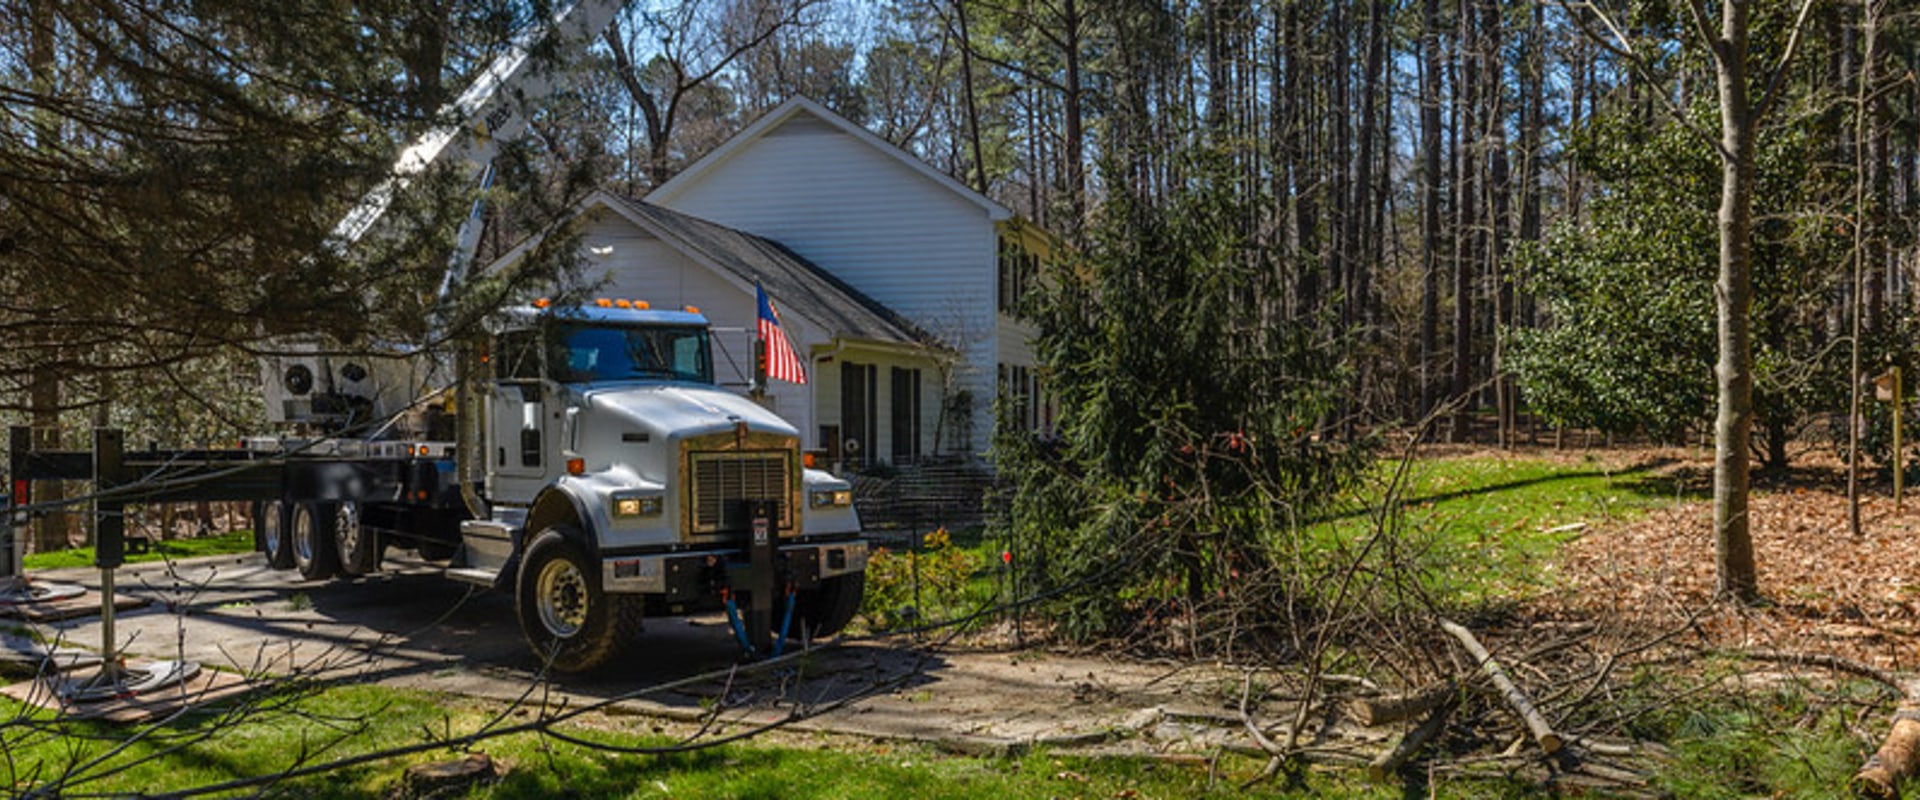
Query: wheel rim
x,y
346,531
303,535
562,593
270,529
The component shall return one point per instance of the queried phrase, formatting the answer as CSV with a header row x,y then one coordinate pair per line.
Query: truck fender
x,y
560,505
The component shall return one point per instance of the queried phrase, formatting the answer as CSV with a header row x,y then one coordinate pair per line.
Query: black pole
x,y
764,578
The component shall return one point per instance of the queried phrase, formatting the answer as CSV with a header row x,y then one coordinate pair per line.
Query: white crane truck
x,y
585,460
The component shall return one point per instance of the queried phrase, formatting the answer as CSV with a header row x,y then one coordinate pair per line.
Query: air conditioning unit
x,y
359,391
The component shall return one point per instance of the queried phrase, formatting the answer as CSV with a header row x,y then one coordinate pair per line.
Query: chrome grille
x,y
723,478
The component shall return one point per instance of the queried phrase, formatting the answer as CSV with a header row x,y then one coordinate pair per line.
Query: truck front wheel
x,y
313,547
563,613
829,608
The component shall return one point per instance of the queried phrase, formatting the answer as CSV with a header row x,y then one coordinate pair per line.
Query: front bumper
x,y
686,576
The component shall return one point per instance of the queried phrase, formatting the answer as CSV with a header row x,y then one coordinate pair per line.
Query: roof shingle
x,y
791,280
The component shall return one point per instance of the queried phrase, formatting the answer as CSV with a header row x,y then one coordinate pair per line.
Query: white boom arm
x,y
491,112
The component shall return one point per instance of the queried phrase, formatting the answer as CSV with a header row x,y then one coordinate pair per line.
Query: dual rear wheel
x,y
321,539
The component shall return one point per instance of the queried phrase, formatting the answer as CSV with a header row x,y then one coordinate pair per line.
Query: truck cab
x,y
622,483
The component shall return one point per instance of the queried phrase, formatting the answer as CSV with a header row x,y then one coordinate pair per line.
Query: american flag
x,y
782,362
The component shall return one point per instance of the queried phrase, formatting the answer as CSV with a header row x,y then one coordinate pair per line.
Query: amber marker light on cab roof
x,y
642,305
693,309
603,302
542,303
576,466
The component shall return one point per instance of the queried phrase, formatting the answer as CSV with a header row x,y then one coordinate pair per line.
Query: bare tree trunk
x,y
1073,136
1339,115
1733,296
1305,211
979,171
1466,155
1430,204
44,392
1499,203
1576,98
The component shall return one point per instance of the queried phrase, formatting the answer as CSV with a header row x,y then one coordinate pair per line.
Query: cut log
x,y
1899,755
1396,756
1517,700
1372,711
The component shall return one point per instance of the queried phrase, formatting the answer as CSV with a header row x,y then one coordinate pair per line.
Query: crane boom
x,y
490,113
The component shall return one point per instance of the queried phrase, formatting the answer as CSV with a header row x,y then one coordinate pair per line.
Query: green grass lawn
x,y
1782,744
226,543
1491,525
351,720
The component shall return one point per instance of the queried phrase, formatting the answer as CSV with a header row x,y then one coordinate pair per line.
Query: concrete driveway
x,y
410,627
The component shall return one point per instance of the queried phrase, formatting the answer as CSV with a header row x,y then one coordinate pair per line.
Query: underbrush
x,y
934,579
1792,739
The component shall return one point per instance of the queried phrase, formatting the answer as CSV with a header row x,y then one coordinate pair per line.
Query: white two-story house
x,y
895,282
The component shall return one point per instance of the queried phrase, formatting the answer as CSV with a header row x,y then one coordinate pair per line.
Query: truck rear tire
x,y
828,609
568,621
357,546
276,540
313,547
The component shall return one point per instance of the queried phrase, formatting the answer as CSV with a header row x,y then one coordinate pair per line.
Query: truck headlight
x,y
822,498
648,506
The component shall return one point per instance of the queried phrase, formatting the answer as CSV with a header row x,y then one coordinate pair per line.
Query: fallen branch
x,y
1824,660
1395,757
1372,711
1517,700
1384,709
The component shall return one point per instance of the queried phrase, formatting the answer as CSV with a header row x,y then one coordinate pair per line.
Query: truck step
x,y
473,575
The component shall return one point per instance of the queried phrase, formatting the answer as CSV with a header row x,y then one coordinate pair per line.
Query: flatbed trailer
x,y
405,490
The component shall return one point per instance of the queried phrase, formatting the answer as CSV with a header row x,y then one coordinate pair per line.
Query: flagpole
x,y
758,391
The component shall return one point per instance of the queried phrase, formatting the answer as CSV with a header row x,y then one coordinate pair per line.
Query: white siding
x,y
894,234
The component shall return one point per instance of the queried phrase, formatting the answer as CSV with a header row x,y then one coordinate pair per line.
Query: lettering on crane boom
x,y
495,120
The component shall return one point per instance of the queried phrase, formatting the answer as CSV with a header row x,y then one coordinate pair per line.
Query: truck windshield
x,y
588,353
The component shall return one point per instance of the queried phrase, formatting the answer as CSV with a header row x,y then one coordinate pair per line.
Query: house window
x,y
859,402
906,415
1017,267
1028,405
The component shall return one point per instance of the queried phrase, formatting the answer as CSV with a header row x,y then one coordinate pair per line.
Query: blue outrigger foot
x,y
786,621
733,619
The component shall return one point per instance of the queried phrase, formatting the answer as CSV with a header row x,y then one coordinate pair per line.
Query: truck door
x,y
521,424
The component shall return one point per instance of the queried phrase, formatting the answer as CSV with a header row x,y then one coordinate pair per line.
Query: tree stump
x,y
446,778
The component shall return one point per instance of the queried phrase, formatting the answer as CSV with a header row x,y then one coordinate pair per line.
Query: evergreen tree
x,y
1188,432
